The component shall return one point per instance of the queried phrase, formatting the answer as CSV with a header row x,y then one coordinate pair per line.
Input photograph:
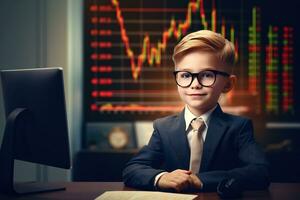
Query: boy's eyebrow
x,y
190,69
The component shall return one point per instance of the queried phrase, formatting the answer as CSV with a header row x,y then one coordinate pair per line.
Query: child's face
x,y
198,98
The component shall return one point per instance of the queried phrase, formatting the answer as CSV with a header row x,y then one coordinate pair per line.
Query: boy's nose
x,y
195,83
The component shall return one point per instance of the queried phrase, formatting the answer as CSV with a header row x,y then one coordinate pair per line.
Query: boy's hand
x,y
196,183
178,179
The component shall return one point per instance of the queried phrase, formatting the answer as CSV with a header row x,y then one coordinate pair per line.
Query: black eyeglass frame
x,y
194,75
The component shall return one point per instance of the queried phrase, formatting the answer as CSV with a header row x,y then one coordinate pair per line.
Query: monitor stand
x,y
16,119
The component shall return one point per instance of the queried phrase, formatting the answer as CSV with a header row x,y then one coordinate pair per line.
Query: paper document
x,y
144,195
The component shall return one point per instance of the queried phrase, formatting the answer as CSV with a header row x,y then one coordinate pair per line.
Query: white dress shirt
x,y
189,116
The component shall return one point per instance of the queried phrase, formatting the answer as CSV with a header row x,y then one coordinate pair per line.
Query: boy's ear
x,y
230,83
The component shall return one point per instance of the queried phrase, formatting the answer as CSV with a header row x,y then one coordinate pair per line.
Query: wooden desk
x,y
91,190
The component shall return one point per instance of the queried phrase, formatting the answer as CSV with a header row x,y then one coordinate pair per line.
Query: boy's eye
x,y
185,75
207,75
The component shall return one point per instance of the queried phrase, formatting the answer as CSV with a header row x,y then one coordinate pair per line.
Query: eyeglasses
x,y
205,78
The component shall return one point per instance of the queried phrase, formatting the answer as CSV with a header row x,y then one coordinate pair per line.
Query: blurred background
x,y
116,56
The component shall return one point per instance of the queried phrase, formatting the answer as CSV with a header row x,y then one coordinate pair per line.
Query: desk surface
x,y
91,190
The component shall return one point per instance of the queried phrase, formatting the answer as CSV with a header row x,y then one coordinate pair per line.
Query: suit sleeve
x,y
141,170
253,168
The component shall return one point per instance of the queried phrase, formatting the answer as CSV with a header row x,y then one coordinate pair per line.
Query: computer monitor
x,y
36,124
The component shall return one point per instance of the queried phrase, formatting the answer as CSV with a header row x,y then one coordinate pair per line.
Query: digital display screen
x,y
128,45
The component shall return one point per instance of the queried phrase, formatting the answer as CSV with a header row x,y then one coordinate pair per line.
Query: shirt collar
x,y
189,116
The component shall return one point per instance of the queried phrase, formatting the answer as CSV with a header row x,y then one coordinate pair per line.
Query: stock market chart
x,y
128,46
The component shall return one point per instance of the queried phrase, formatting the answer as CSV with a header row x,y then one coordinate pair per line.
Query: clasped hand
x,y
179,180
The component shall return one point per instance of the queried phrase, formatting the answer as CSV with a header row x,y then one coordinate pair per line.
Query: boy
x,y
201,146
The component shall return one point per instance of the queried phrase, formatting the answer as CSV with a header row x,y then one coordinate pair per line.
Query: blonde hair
x,y
206,41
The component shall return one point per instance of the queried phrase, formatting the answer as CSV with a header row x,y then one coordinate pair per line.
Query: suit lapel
x,y
179,142
216,129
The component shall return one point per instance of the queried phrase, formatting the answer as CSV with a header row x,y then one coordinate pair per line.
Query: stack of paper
x,y
143,195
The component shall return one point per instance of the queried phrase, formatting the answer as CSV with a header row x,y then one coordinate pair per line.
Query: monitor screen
x,y
128,56
43,137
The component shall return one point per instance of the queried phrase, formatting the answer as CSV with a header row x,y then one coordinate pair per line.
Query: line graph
x,y
128,48
153,54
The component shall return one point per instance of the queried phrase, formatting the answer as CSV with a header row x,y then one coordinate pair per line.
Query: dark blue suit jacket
x,y
229,151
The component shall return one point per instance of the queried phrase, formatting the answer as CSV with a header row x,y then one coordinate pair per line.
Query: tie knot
x,y
197,124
